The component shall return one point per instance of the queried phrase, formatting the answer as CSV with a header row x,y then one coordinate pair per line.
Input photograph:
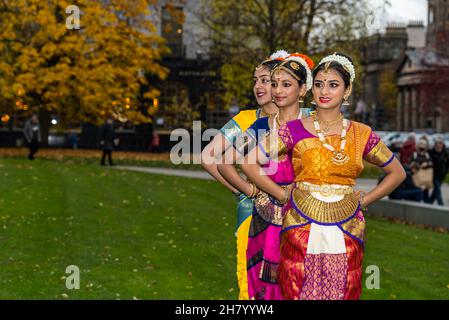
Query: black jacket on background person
x,y
107,137
32,131
440,163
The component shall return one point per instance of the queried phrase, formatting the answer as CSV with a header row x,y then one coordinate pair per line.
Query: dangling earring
x,y
272,100
346,97
313,103
301,101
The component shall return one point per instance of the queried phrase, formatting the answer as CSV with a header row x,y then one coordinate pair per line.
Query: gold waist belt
x,y
325,189
320,211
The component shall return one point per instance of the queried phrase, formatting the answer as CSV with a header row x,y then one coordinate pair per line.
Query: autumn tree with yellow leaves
x,y
83,74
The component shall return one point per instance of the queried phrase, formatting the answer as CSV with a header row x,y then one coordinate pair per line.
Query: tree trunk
x,y
271,40
44,121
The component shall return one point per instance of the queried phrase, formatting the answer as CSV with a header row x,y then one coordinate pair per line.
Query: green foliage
x,y
237,82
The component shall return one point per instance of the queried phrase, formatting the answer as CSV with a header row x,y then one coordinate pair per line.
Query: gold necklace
x,y
263,114
278,121
328,124
339,157
331,122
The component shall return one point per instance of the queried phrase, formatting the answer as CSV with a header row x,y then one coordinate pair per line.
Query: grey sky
x,y
404,10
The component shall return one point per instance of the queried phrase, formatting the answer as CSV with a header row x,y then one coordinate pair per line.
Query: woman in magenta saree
x,y
263,240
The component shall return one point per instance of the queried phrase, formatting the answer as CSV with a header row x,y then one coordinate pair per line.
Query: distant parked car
x,y
394,140
382,134
387,138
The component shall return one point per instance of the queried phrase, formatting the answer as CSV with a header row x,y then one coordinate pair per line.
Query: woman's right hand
x,y
281,192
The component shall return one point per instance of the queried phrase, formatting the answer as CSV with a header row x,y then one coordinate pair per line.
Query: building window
x,y
172,29
430,15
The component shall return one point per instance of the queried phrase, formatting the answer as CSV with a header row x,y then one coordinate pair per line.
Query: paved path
x,y
364,184
170,172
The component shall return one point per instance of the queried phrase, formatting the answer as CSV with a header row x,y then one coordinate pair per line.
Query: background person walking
x,y
108,140
32,132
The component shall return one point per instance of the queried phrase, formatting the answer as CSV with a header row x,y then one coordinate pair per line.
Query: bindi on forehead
x,y
280,75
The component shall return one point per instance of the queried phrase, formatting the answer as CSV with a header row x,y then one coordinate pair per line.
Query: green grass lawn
x,y
137,235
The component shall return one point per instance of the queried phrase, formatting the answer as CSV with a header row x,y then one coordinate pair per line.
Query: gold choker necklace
x,y
278,121
263,114
327,124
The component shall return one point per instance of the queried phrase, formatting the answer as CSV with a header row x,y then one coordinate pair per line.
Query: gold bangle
x,y
362,206
286,195
254,190
253,194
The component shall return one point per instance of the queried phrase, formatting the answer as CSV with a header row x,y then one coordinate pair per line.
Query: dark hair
x,y
334,65
271,64
294,68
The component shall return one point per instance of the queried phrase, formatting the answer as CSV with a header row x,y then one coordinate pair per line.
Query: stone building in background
x,y
422,77
382,55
